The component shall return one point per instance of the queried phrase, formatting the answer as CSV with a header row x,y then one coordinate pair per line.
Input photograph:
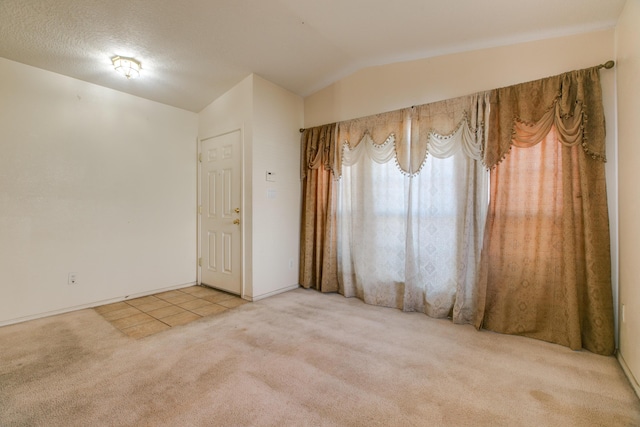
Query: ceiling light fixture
x,y
128,67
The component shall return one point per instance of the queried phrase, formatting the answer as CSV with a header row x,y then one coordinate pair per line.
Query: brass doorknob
x,y
237,210
236,221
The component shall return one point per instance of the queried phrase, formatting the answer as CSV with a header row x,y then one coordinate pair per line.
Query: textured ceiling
x,y
192,51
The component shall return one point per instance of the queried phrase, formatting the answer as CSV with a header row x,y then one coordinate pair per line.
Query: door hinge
x,y
199,262
200,157
200,209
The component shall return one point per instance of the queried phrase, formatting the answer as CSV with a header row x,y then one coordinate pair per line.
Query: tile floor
x,y
141,317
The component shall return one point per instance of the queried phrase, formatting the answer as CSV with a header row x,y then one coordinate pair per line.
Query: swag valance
x,y
318,150
409,135
523,114
519,115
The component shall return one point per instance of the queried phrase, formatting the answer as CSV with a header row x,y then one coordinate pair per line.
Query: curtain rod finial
x,y
301,130
608,65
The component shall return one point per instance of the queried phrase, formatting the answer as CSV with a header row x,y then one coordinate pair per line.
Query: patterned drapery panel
x,y
318,262
546,266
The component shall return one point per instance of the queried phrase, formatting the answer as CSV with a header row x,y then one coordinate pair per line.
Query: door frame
x,y
199,208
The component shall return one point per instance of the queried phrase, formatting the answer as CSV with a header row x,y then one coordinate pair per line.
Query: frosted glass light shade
x,y
128,67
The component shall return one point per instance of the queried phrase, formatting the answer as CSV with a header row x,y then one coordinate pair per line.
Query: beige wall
x,y
92,181
270,118
628,81
390,87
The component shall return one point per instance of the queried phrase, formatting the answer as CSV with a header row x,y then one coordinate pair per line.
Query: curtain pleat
x,y
318,256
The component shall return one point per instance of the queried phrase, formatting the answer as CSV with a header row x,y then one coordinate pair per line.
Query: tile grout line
x,y
182,308
171,304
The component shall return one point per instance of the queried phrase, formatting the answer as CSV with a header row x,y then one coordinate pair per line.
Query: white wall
x,y
278,116
628,81
270,118
92,181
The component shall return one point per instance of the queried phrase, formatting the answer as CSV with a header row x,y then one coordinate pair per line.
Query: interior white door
x,y
220,239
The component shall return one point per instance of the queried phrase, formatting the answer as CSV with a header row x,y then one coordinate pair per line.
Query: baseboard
x,y
92,304
270,294
629,374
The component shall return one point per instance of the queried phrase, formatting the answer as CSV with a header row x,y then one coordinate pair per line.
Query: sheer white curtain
x,y
412,206
372,223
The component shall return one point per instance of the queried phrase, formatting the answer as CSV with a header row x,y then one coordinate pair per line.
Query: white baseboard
x,y
92,304
629,374
270,294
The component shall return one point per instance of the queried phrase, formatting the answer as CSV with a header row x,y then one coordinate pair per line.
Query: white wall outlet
x,y
73,278
290,263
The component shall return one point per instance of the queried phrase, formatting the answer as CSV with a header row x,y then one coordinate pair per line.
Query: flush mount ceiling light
x,y
128,67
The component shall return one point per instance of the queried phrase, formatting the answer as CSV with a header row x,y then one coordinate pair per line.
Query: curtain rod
x,y
607,65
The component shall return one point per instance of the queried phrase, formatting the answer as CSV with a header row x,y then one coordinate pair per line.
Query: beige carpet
x,y
302,359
